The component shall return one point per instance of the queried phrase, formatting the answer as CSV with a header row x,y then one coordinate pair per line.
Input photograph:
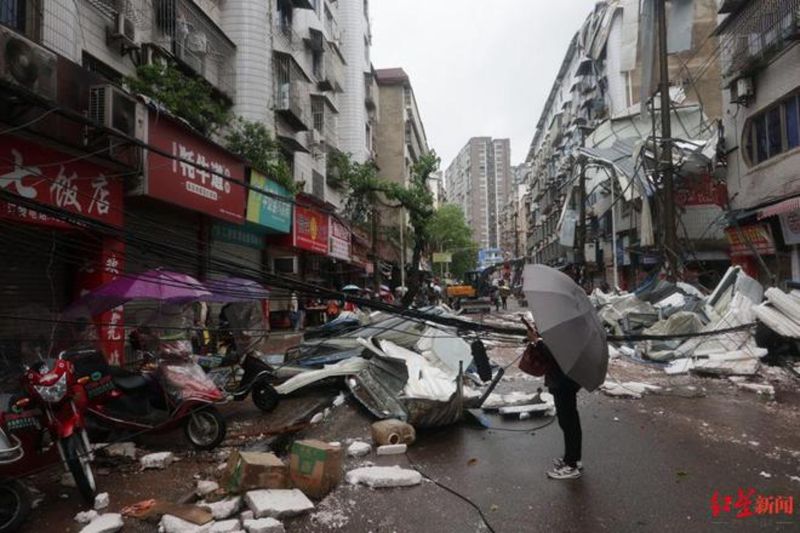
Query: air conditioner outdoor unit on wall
x,y
123,32
25,64
112,108
743,91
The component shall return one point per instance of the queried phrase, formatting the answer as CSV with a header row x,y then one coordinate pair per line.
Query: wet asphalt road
x,y
644,472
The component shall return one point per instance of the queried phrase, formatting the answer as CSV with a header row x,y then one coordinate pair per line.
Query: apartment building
x,y
480,181
760,51
596,121
359,104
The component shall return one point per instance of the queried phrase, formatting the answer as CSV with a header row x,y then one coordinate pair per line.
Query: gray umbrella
x,y
568,323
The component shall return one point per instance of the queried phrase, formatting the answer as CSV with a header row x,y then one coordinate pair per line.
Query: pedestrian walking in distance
x,y
539,361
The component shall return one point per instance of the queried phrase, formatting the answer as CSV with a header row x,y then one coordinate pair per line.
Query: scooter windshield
x,y
184,380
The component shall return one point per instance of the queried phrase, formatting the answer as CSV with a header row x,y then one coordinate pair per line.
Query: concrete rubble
x,y
263,525
101,501
84,517
359,449
224,508
205,487
173,524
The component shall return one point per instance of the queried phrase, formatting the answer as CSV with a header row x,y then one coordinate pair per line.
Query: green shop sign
x,y
241,235
267,210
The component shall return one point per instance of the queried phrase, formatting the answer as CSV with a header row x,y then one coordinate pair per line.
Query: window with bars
x,y
23,16
318,112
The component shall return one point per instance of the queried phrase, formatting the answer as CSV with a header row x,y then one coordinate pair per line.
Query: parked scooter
x,y
171,393
239,371
48,424
15,499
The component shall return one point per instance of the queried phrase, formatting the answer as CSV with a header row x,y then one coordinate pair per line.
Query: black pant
x,y
566,400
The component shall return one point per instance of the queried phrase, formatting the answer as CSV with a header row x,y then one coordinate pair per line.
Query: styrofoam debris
x,y
359,449
277,503
758,388
629,389
392,449
173,524
317,418
105,523
159,460
101,501
84,517
224,508
384,477
766,475
120,449
496,401
519,409
206,487
246,515
339,400
263,525
795,478
524,416
226,526
679,366
741,362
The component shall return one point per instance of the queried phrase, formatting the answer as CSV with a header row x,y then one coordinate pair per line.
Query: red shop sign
x,y
310,230
56,179
702,191
743,240
192,185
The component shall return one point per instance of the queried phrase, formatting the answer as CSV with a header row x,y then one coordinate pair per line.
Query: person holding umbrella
x,y
541,362
569,347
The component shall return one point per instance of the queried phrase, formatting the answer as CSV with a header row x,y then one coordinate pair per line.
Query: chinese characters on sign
x,y
310,230
746,238
340,240
240,235
790,224
747,503
701,191
56,179
266,209
199,178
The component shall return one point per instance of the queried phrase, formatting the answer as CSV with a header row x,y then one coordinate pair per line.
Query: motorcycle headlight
x,y
53,393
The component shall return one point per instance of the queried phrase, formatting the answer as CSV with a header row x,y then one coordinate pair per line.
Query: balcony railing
x,y
752,37
193,38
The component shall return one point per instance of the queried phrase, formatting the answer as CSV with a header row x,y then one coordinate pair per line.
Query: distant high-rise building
x,y
479,180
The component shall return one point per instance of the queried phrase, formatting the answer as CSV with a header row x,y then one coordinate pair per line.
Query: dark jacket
x,y
555,378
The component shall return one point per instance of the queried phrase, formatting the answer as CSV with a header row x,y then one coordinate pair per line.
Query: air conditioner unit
x,y
123,32
112,108
191,59
24,63
315,138
742,91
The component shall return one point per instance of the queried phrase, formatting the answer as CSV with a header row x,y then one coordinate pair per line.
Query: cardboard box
x,y
315,467
253,470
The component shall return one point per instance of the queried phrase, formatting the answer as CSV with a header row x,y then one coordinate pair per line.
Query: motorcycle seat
x,y
128,381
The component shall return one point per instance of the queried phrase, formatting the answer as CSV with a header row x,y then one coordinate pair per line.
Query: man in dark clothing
x,y
565,394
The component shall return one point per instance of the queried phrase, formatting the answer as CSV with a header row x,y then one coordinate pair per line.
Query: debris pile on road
x,y
687,320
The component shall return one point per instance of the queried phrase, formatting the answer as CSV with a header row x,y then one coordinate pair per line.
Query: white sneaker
x,y
565,472
559,463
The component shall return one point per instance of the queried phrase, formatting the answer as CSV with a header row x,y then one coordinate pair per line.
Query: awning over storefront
x,y
784,207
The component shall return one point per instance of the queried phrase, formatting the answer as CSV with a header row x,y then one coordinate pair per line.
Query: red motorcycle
x,y
48,425
169,394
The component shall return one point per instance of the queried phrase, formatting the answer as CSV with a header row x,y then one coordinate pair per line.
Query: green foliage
x,y
448,231
253,142
188,97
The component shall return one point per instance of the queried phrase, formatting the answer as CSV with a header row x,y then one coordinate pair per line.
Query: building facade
x,y
480,181
84,200
761,81
598,123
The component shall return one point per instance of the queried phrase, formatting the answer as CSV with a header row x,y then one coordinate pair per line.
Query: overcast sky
x,y
478,67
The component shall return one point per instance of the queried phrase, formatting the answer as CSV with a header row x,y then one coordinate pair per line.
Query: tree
x,y
366,193
193,99
448,231
253,142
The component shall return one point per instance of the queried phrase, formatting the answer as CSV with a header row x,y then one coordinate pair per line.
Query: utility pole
x,y
581,240
376,273
516,233
665,159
